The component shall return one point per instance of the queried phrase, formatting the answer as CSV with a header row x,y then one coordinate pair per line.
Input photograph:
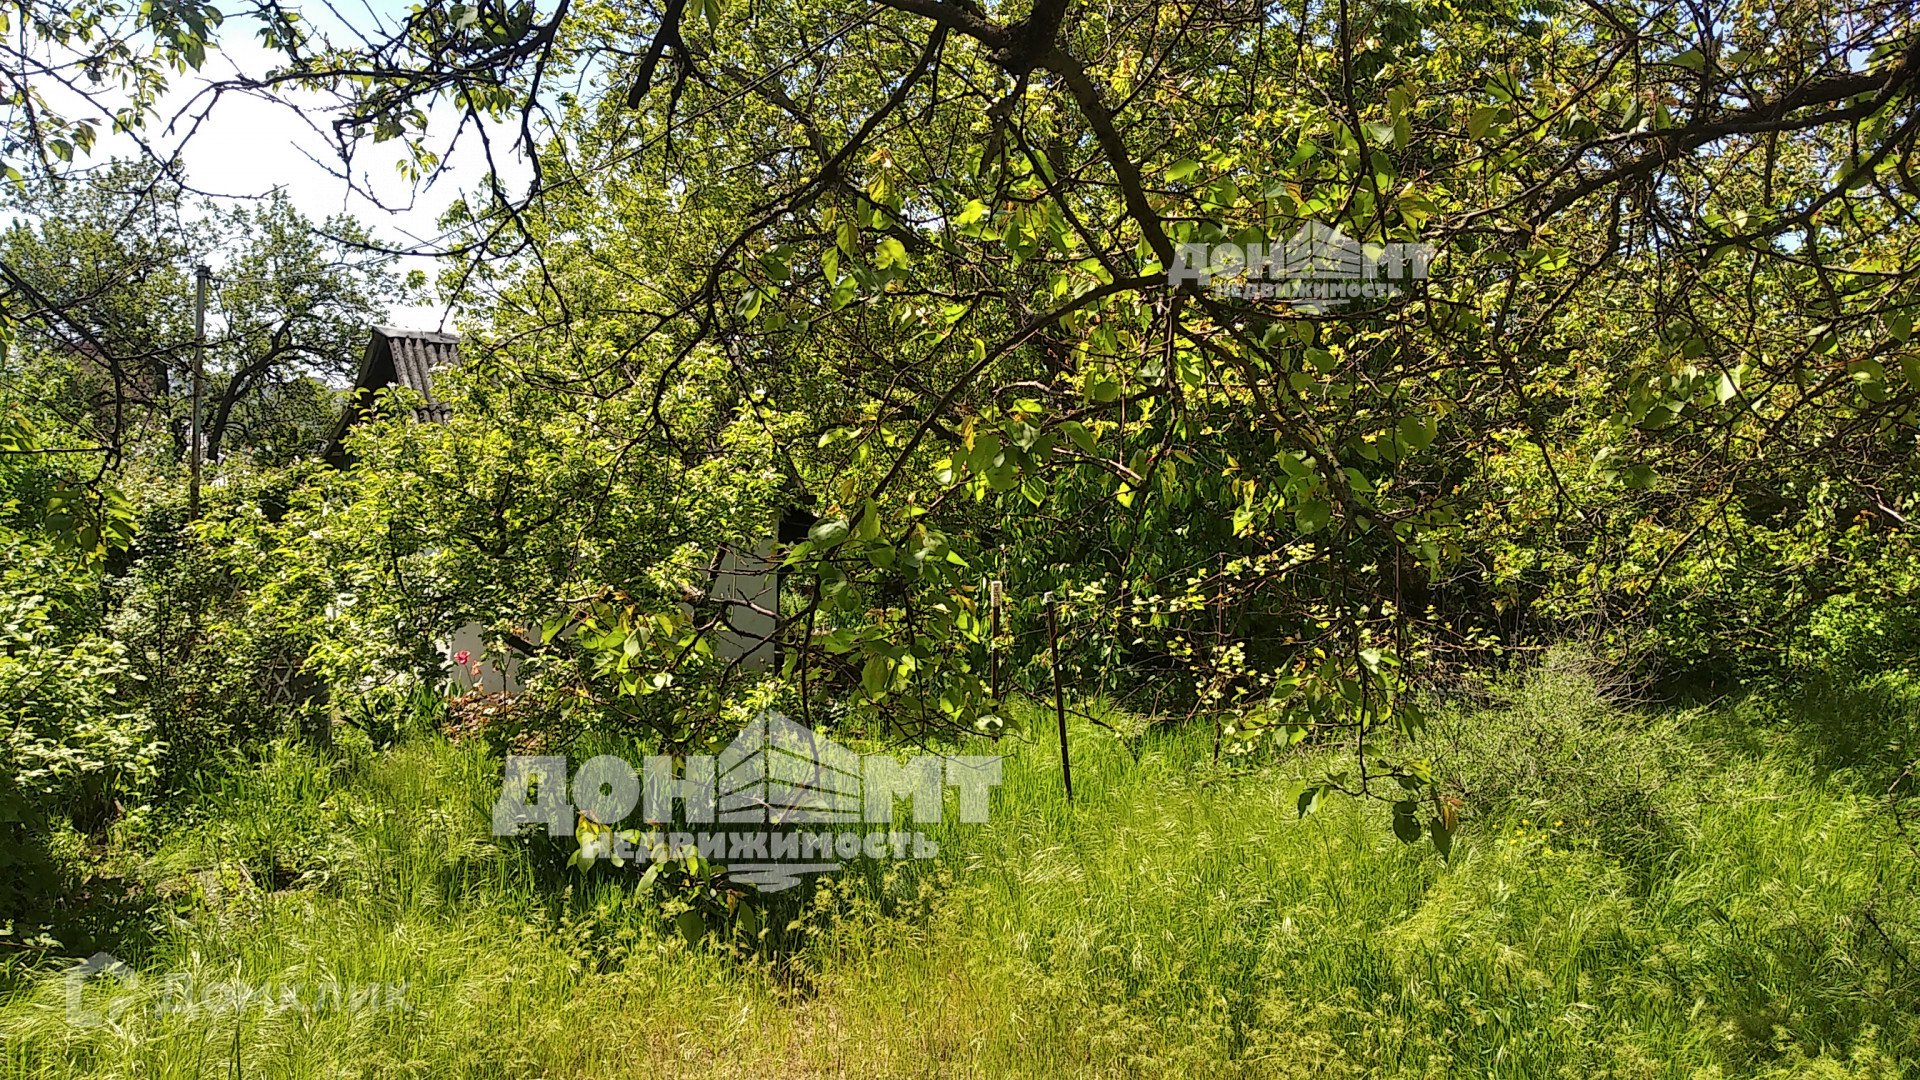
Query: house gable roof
x,y
401,357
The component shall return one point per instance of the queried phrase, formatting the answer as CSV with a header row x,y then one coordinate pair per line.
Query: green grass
x,y
1180,920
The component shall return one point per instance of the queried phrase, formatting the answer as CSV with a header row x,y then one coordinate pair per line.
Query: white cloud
x,y
246,146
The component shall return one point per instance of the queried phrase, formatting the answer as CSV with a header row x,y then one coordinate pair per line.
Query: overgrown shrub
x,y
1555,741
70,743
217,673
1848,633
75,749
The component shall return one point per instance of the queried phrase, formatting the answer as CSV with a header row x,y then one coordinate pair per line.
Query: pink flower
x,y
460,657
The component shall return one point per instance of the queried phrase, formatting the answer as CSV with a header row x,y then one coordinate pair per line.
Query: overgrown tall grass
x,y
1178,920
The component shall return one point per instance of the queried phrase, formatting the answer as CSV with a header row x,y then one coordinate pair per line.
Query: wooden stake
x,y
1219,636
993,641
1059,699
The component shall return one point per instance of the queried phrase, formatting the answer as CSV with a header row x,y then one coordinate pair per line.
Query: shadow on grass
x,y
56,910
1869,729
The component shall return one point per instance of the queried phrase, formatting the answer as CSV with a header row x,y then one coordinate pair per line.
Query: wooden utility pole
x,y
1059,699
201,278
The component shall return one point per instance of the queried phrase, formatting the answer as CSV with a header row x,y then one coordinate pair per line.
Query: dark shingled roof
x,y
396,356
